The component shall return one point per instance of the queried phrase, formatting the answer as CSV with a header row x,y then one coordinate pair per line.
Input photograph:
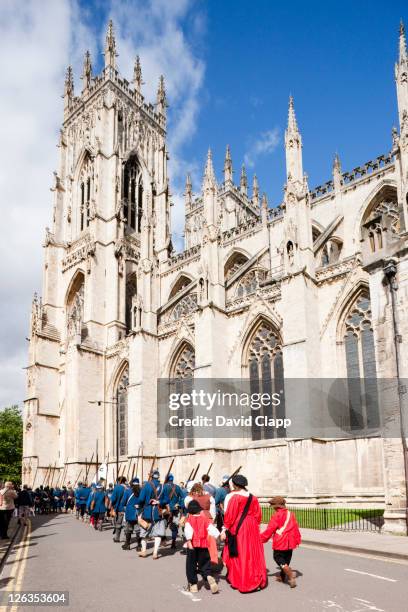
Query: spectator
x,y
7,497
24,503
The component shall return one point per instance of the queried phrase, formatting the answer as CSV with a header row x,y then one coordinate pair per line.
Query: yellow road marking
x,y
20,563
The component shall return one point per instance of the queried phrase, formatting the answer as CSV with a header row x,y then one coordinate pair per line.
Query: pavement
x,y
59,553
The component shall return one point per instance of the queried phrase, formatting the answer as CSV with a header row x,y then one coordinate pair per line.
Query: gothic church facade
x,y
316,287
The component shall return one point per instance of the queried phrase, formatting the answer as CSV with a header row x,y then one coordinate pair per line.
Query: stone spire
x,y
161,100
110,46
293,146
255,191
188,194
401,75
209,175
243,181
87,72
137,75
337,176
228,166
68,88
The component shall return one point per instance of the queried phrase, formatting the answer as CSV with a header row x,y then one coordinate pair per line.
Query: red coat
x,y
290,538
199,523
247,572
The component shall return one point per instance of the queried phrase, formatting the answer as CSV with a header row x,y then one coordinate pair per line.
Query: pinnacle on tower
x,y
292,123
110,46
402,43
87,71
188,194
209,175
264,209
255,191
243,182
161,96
228,166
264,204
336,163
137,74
69,83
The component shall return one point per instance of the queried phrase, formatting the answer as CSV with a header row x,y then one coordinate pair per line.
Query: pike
x,y
169,470
53,473
137,462
151,467
233,474
35,474
88,467
46,472
77,477
195,473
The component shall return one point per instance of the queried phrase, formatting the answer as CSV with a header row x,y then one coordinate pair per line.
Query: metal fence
x,y
341,519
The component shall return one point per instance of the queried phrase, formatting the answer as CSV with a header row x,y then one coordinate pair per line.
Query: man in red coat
x,y
286,536
246,568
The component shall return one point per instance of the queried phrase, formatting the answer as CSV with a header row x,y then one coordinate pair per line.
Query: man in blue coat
x,y
175,495
98,506
131,513
220,495
81,497
117,504
154,504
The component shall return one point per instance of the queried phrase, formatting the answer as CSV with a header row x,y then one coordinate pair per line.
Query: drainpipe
x,y
390,272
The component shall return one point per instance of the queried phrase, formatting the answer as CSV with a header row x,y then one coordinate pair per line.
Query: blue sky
x,y
230,66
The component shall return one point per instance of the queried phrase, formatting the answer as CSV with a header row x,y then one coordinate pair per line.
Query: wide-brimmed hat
x,y
277,502
239,480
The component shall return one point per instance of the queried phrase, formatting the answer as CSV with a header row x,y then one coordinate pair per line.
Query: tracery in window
x,y
133,194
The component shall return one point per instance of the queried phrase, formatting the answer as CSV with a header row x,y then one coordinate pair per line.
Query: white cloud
x,y
37,41
264,144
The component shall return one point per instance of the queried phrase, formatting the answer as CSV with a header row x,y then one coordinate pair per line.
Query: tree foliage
x,y
11,443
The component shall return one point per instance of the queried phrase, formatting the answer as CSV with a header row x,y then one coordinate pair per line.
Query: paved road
x,y
60,553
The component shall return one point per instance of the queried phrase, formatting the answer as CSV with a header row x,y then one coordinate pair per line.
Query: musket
x,y
45,476
88,467
137,462
232,475
77,477
195,473
169,470
151,467
209,470
53,473
190,476
35,474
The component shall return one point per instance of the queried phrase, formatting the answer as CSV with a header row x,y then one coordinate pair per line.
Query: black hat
x,y
194,507
239,480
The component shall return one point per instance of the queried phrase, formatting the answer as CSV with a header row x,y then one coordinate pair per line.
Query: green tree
x,y
11,443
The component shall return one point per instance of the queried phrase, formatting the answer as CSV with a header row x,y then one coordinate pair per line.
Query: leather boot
x,y
290,575
126,545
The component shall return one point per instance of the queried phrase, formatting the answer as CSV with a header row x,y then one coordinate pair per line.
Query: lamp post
x,y
113,403
390,272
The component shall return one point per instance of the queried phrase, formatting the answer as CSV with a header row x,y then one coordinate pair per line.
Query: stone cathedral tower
x,y
111,228
313,288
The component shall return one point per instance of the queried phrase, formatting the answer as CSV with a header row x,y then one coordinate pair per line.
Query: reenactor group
x,y
205,517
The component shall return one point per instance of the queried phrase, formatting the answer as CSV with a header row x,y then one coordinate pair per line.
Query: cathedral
x,y
313,288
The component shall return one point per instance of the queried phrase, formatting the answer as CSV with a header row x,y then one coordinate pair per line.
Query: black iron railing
x,y
341,519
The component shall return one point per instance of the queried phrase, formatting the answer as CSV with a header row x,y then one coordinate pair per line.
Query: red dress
x,y
247,572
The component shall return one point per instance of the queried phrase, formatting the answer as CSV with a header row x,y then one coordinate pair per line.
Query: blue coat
x,y
151,512
81,495
117,499
99,498
174,494
220,495
131,505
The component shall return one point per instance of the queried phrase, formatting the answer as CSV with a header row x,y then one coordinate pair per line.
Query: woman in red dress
x,y
247,571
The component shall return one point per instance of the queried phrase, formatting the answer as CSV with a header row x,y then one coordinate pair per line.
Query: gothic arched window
x,y
382,220
265,365
233,264
182,382
133,194
361,365
85,183
122,407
